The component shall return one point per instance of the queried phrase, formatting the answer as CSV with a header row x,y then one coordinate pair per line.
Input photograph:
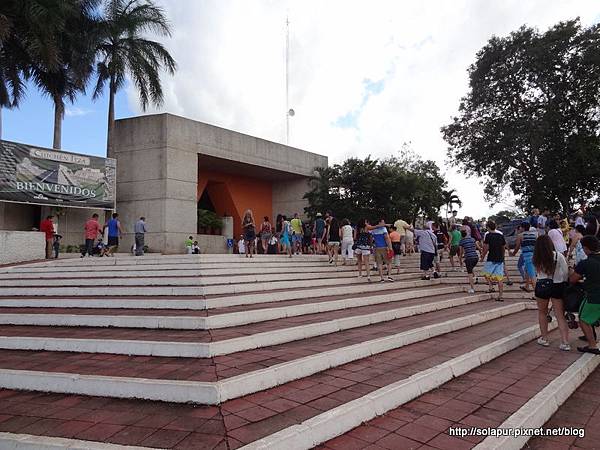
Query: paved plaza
x,y
219,351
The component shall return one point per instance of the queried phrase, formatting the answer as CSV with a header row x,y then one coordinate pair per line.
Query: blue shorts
x,y
528,267
493,271
297,238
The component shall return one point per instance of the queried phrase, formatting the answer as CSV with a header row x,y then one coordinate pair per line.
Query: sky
x,y
364,77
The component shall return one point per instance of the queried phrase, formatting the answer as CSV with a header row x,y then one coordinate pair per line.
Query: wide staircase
x,y
225,352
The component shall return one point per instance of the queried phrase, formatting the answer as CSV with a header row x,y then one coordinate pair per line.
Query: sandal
x,y
523,288
587,349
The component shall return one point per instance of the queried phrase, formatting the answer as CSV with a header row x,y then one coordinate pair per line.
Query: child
x,y
195,248
272,246
100,248
241,246
56,245
189,242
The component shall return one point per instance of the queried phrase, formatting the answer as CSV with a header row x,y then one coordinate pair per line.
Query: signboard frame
x,y
102,170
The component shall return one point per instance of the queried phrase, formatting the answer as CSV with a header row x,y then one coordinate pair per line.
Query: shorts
x,y
427,260
366,251
381,256
113,241
589,312
493,271
454,250
528,267
470,264
557,291
333,243
266,236
397,247
307,241
297,238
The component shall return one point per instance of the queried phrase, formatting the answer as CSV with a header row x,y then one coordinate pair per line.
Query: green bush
x,y
208,219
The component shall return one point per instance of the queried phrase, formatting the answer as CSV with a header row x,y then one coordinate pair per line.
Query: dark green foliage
x,y
369,188
531,120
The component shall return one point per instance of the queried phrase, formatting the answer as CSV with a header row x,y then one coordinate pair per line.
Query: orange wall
x,y
234,194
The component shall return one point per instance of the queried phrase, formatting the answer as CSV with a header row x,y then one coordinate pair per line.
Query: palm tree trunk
x,y
111,119
58,118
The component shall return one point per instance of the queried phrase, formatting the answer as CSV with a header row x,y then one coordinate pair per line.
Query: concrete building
x,y
167,164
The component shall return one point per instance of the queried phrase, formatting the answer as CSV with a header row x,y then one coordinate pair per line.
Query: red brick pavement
x,y
245,419
581,410
222,366
484,397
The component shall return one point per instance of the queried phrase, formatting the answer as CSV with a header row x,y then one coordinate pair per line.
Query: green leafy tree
x,y
530,121
403,186
124,50
67,79
29,31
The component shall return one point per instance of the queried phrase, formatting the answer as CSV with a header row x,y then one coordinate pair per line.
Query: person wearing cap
x,y
319,230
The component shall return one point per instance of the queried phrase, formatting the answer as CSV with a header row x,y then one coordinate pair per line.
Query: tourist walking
x,y
428,248
409,242
588,270
249,229
455,237
266,232
140,229
526,243
468,251
557,237
494,247
319,230
297,234
396,247
576,246
542,222
363,247
47,227
91,229
333,237
383,249
552,274
347,241
115,231
284,241
402,227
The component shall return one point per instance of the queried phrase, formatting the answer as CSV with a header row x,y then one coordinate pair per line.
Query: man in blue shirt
x,y
383,249
114,233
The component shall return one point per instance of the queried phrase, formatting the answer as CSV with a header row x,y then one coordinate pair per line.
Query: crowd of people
x,y
556,255
100,240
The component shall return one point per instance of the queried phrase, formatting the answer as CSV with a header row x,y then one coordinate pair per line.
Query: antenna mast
x,y
287,80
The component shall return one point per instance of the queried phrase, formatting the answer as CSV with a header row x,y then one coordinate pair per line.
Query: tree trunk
x,y
111,119
58,118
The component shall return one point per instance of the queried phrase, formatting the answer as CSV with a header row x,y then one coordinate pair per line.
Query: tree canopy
x,y
403,186
531,119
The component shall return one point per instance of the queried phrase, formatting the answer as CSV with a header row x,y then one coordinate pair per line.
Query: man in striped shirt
x,y
468,250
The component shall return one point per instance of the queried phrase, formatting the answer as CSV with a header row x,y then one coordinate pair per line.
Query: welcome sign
x,y
43,176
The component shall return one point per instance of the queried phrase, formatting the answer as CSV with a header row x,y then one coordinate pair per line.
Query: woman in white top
x,y
552,274
557,237
347,241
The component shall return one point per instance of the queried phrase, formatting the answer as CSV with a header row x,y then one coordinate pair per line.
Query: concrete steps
x,y
217,351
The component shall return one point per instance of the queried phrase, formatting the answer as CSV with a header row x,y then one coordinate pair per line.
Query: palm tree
x,y
123,51
450,198
64,81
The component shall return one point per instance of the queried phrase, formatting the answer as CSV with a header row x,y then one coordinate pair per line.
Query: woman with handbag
x,y
553,272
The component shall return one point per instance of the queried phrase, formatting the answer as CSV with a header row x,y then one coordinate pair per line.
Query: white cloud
x,y
231,69
75,111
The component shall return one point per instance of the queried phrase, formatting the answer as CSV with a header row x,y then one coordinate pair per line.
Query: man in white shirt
x,y
542,220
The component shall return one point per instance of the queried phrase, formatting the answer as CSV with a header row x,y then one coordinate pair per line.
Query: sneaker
x,y
425,278
509,283
471,291
543,342
436,275
390,279
565,347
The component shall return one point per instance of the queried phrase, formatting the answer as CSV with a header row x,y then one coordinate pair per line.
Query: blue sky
x,y
84,126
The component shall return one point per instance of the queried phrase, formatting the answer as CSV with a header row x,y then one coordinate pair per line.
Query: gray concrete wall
x,y
288,197
19,246
157,172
